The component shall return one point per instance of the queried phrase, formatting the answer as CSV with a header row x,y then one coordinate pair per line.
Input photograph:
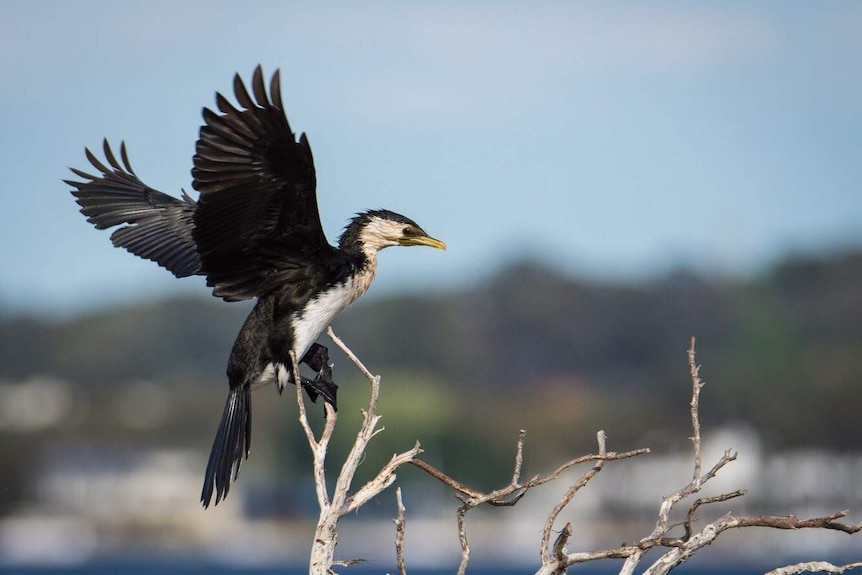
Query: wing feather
x,y
257,220
155,226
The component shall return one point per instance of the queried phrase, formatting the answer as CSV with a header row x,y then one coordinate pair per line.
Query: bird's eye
x,y
408,231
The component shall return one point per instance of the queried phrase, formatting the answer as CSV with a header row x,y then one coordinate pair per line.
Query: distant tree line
x,y
530,341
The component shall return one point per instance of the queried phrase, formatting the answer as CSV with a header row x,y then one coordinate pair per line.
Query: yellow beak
x,y
423,241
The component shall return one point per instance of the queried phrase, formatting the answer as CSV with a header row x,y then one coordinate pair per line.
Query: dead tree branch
x,y
680,549
513,492
400,528
554,555
814,567
339,503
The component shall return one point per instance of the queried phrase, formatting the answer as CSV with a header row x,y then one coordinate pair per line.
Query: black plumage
x,y
253,233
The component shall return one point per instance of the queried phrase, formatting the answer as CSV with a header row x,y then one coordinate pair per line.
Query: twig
x,y
499,497
318,447
547,553
400,528
462,537
814,567
792,522
384,478
343,347
445,479
697,385
515,490
689,517
698,479
558,553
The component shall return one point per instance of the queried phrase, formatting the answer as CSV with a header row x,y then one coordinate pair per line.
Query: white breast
x,y
319,311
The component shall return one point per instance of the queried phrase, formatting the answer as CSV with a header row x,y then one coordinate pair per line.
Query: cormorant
x,y
254,232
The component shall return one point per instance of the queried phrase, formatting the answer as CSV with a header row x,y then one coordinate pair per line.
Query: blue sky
x,y
616,139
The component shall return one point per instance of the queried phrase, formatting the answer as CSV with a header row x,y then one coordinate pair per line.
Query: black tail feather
x,y
231,445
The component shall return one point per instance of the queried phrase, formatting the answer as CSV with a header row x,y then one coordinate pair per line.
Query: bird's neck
x,y
363,259
365,273
359,246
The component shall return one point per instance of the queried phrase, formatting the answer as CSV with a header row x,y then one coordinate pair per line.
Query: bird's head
x,y
374,230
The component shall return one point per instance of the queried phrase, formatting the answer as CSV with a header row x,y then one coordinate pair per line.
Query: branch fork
x,y
337,504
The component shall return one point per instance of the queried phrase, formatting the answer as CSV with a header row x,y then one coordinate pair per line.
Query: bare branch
x,y
498,497
559,550
678,555
338,504
547,553
512,493
446,480
343,347
690,515
697,385
631,562
554,555
683,549
348,562
814,567
792,522
300,401
697,480
400,528
384,479
519,457
318,448
680,549
462,537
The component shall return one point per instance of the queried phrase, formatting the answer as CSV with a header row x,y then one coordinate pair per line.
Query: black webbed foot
x,y
317,357
322,385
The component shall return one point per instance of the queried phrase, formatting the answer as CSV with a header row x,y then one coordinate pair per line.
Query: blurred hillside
x,y
462,371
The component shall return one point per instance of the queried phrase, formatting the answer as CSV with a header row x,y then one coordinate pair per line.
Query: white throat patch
x,y
379,233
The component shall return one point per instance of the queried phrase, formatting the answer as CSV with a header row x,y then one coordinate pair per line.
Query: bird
x,y
255,234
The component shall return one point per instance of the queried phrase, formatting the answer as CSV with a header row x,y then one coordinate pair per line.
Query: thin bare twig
x,y
445,479
512,493
546,552
698,479
400,528
343,347
792,522
498,497
697,385
689,517
318,447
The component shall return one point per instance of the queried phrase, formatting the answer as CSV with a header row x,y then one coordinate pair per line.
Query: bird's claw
x,y
323,386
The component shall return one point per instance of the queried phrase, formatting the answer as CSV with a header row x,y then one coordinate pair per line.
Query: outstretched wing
x,y
158,226
257,225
